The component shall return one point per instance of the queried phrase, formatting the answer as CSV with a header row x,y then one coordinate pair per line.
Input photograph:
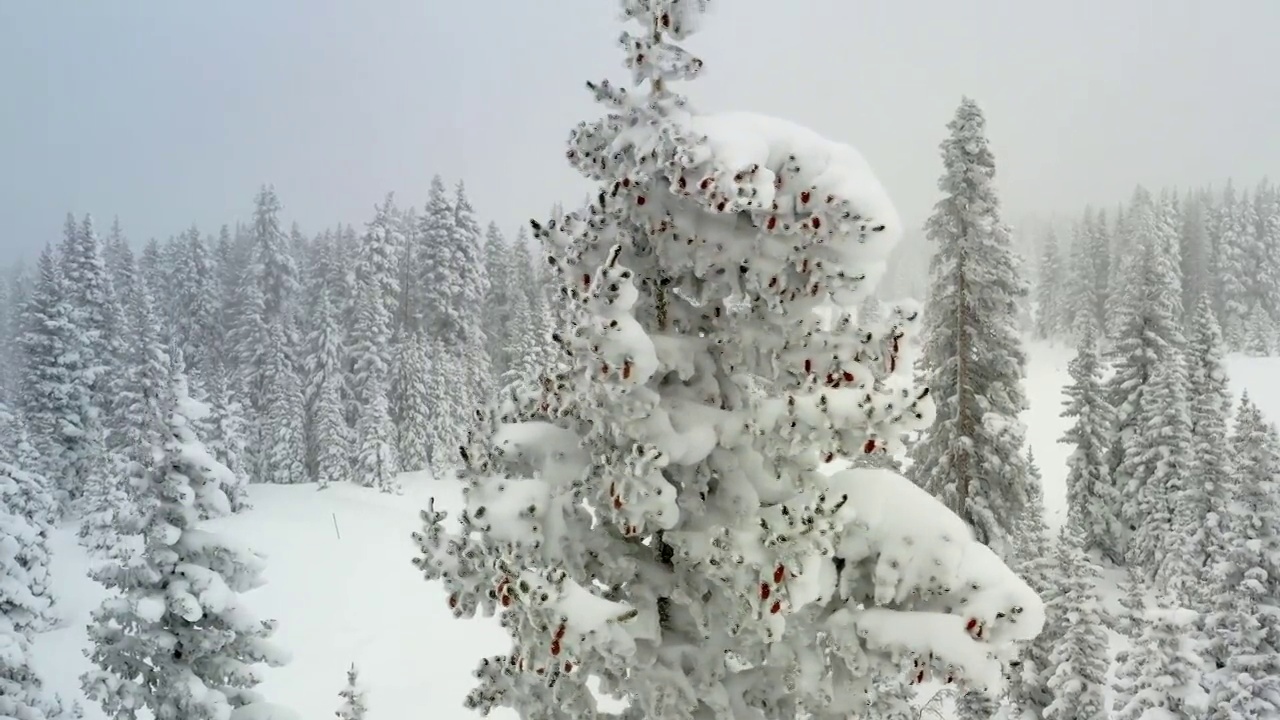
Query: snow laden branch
x,y
656,513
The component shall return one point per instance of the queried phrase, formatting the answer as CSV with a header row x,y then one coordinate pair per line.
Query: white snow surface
x,y
356,598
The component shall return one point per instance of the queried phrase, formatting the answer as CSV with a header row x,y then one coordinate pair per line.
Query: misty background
x,y
168,114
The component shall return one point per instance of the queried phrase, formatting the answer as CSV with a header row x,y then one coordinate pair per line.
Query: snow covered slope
x,y
349,594
353,598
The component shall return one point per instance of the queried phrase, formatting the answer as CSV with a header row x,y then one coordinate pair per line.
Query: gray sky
x,y
168,113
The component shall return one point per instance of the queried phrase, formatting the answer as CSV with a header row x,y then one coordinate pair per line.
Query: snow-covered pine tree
x,y
269,341
224,429
501,289
1211,458
413,427
26,604
1080,659
10,352
448,401
328,437
47,397
1244,680
1157,463
98,351
176,640
141,390
1029,693
281,454
353,705
376,464
1148,334
1229,267
197,331
38,500
472,286
1160,676
25,596
22,692
1258,338
1092,500
375,434
654,523
971,457
1051,300
1194,254
154,269
375,299
1093,269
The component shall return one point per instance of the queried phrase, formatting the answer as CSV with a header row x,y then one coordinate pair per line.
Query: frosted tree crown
x,y
656,513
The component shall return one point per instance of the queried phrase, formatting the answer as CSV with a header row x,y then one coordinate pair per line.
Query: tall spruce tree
x,y
1079,660
281,454
1148,334
971,457
24,600
1092,500
1156,467
472,288
1160,676
48,385
375,433
1209,496
1242,629
413,427
1051,300
177,641
328,437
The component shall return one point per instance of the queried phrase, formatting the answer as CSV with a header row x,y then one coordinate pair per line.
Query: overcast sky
x,y
168,113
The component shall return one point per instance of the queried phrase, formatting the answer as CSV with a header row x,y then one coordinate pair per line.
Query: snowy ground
x,y
340,580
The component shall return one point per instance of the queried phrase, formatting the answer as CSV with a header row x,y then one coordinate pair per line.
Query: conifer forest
x,y
732,437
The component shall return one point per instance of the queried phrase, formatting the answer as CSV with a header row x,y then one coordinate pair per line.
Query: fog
x,y
168,114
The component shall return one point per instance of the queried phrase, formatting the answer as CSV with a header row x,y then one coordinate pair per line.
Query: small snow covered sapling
x,y
656,514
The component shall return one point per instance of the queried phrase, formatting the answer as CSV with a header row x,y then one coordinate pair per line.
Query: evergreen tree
x,y
1242,627
1080,658
353,704
502,290
615,552
971,458
268,339
375,433
413,426
1051,310
447,398
224,429
22,692
375,303
1092,500
281,435
1160,676
1029,692
472,288
329,438
1194,237
197,330
176,640
48,396
1147,336
80,437
376,464
1230,265
1156,466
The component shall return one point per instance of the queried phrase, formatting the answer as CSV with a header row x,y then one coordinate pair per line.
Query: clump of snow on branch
x,y
655,512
